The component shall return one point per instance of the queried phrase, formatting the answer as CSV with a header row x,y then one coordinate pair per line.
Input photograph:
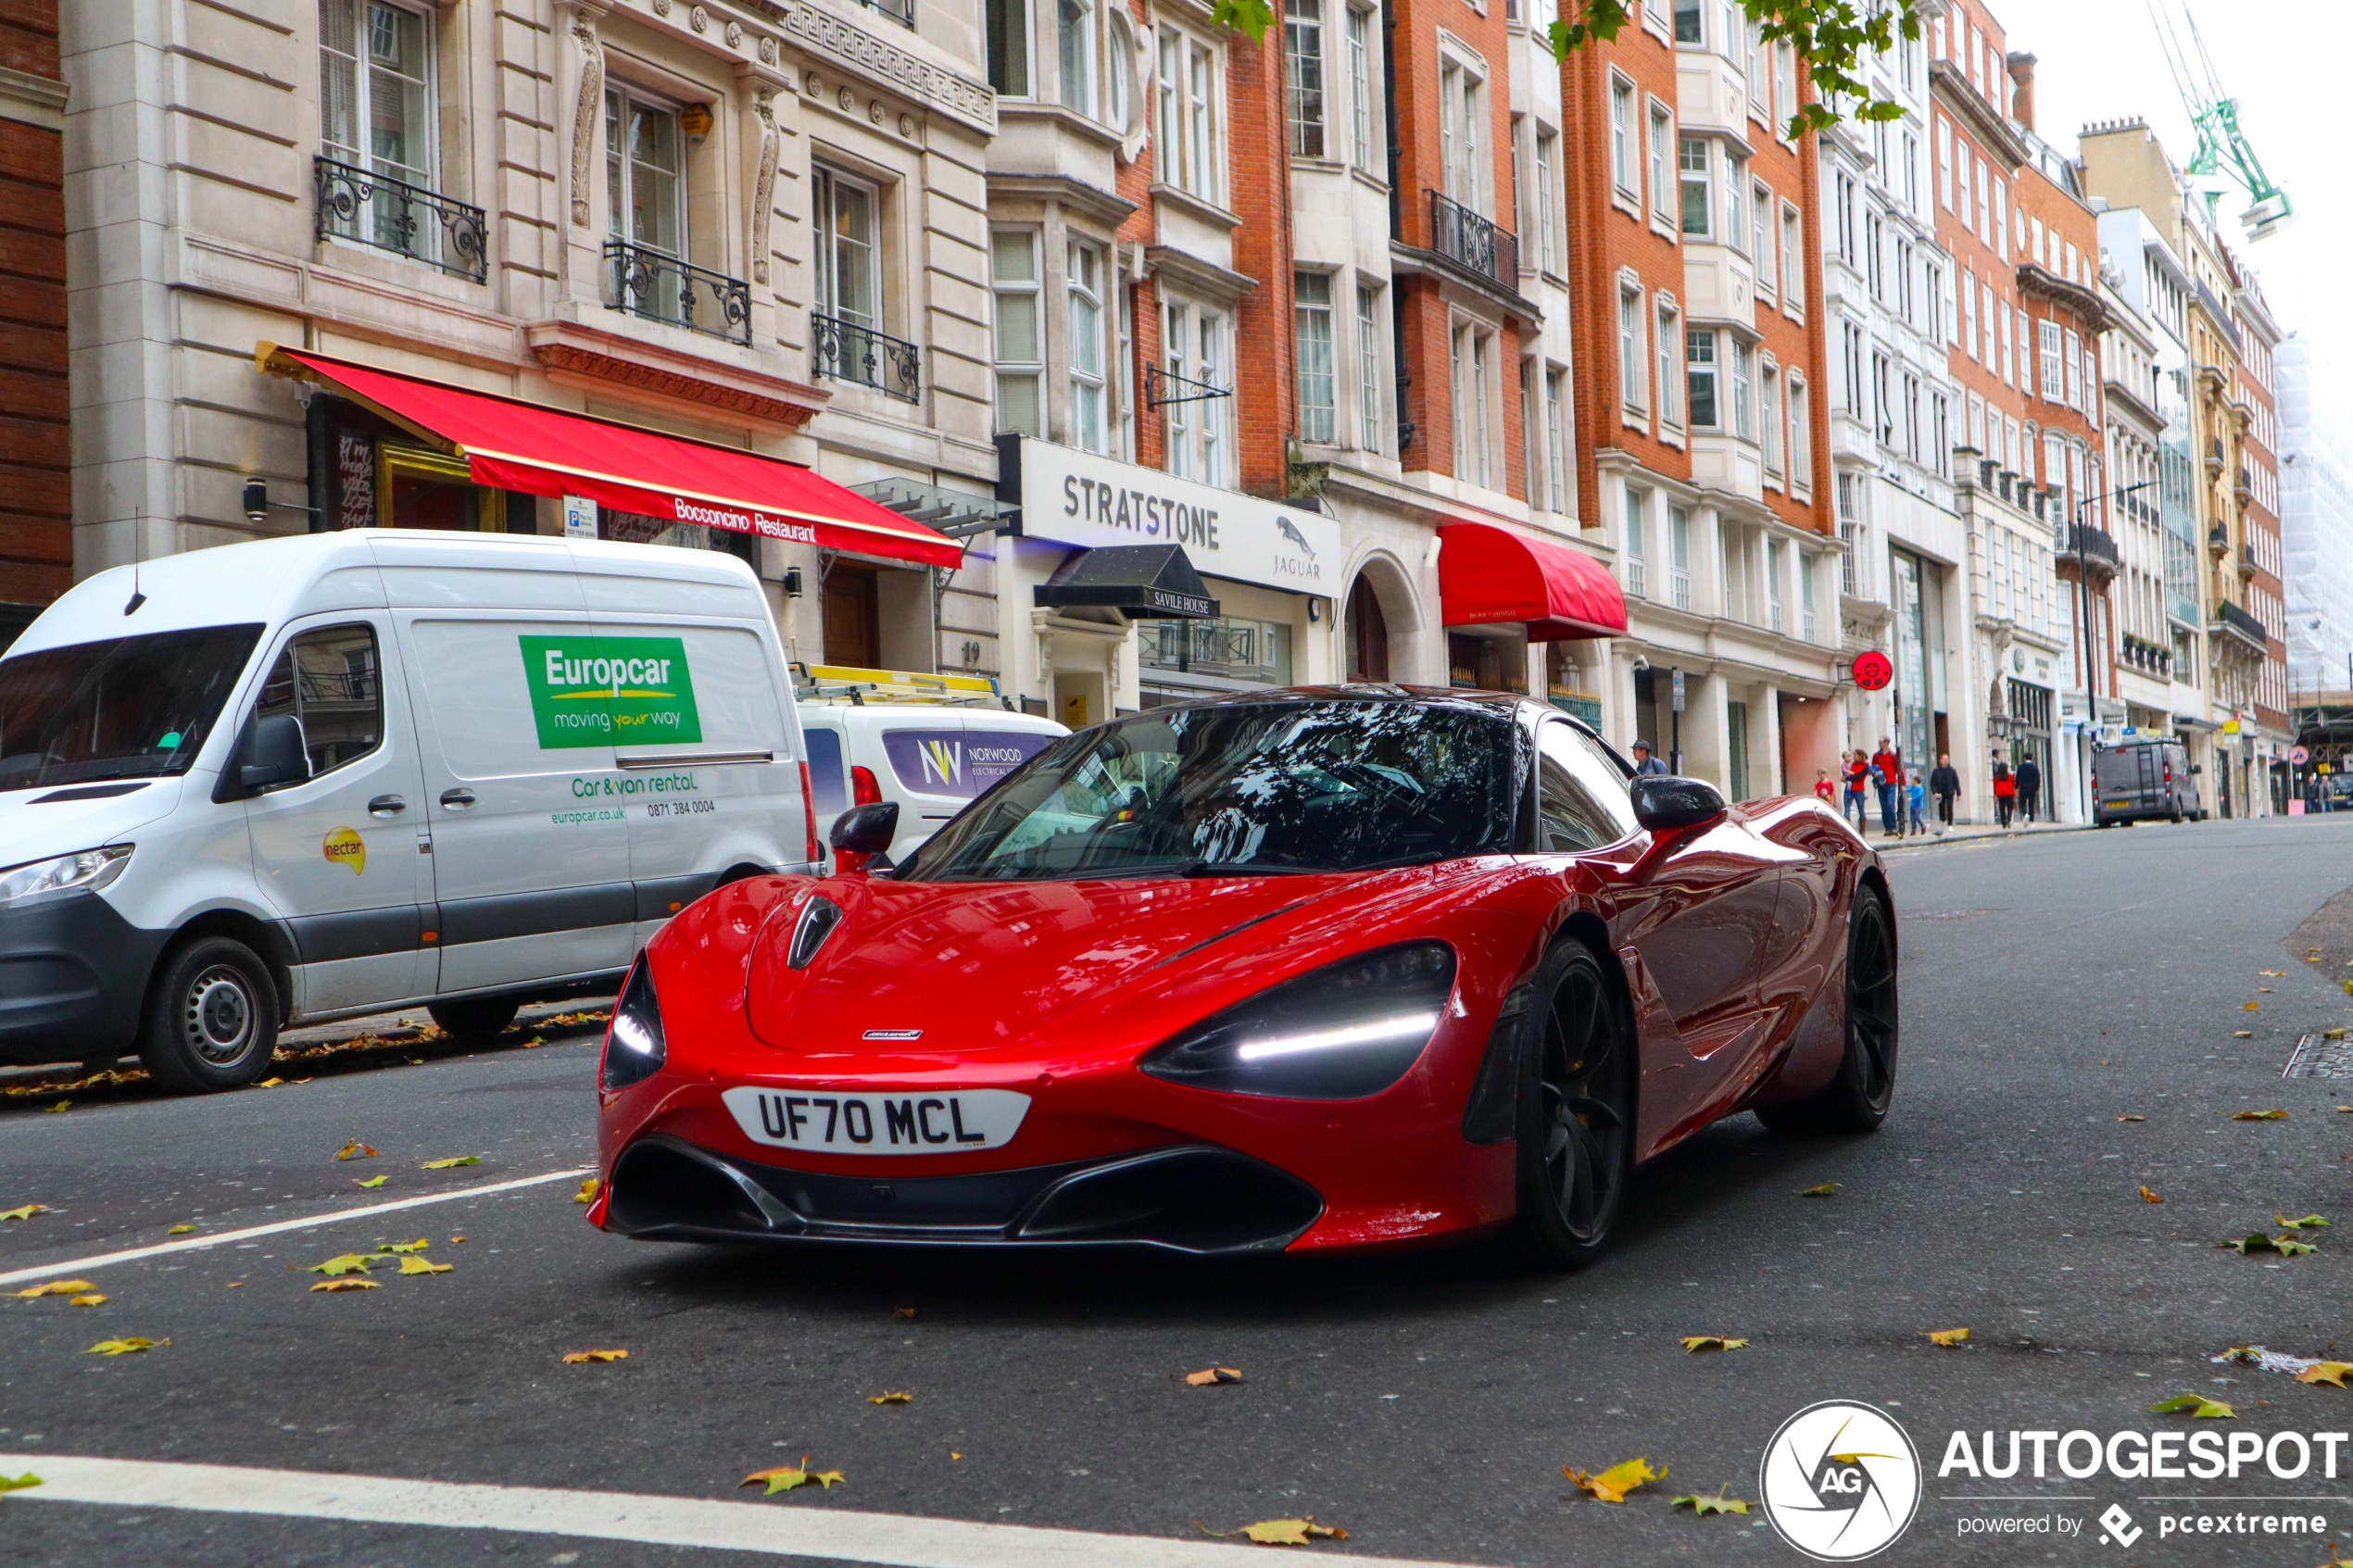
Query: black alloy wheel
x,y
212,1018
1576,1110
1857,1098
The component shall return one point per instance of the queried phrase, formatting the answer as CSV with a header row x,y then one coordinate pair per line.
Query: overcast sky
x,y
2284,61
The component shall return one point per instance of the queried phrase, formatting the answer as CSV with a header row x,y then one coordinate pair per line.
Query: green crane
x,y
2223,150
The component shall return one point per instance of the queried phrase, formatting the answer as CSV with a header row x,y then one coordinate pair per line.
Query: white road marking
x,y
191,1244
838,1534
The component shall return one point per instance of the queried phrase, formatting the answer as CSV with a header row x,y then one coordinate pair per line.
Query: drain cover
x,y
2316,1058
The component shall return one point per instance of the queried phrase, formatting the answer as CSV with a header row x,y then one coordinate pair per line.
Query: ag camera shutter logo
x,y
1840,1481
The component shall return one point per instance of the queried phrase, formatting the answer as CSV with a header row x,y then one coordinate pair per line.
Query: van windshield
x,y
122,708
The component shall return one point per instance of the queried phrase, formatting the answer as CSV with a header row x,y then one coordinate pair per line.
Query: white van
x,y
931,743
301,779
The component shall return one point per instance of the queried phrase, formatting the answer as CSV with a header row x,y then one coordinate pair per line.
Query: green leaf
x,y
1719,1503
2196,1406
2286,1246
2310,1222
417,1246
453,1162
19,1483
420,1266
348,1263
786,1478
1251,17
26,1212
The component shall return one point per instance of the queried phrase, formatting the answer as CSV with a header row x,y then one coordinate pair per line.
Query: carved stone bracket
x,y
763,188
585,109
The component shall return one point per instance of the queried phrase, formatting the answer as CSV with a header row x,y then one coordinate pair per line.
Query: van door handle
x,y
457,799
386,805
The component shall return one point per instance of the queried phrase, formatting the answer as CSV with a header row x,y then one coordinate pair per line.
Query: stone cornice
x,y
586,352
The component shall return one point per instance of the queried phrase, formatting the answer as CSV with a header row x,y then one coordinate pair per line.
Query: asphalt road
x,y
1426,1403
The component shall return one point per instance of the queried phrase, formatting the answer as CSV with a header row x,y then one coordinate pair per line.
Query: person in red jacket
x,y
1824,790
1889,767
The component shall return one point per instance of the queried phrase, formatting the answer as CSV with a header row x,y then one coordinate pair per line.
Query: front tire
x,y
1857,1098
1576,1111
212,1018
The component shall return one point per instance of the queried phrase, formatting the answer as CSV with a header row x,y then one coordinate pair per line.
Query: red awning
x,y
510,444
1486,575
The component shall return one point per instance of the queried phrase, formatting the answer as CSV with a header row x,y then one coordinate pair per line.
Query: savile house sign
x,y
1073,498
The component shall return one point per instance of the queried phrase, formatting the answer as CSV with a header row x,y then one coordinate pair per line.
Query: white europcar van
x,y
931,743
302,779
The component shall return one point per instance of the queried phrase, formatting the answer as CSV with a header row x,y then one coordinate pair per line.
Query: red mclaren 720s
x,y
1342,967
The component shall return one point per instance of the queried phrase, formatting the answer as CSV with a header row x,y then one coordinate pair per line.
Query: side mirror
x,y
1663,803
863,831
271,752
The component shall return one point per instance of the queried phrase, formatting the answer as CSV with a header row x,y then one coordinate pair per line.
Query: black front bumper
x,y
73,976
1192,1197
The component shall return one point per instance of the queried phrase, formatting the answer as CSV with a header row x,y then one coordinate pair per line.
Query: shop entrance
x,y
853,616
1367,634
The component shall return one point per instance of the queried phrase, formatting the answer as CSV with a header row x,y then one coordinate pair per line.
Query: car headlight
x,y
1343,1032
86,870
635,1046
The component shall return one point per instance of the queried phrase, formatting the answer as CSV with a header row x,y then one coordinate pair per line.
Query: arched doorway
x,y
1366,633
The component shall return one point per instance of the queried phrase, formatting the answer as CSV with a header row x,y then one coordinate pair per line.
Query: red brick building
x,y
36,510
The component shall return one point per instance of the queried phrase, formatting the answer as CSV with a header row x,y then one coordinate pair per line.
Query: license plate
x,y
827,1121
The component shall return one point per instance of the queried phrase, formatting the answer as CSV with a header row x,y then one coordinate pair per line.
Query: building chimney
x,y
2023,88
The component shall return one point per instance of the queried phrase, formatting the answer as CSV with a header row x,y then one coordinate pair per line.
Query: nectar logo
x,y
1840,1481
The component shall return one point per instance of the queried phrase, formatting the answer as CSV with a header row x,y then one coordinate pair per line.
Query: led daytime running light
x,y
1402,1026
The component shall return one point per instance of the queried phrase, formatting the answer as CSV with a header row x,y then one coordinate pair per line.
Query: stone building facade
x,y
36,552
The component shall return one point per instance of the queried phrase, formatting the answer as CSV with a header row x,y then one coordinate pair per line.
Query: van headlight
x,y
86,871
635,1046
1343,1032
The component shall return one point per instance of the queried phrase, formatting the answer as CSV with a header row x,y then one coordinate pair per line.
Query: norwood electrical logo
x,y
595,690
1840,1481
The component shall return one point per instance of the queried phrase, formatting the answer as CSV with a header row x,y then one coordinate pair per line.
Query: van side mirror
x,y
272,751
863,831
1664,803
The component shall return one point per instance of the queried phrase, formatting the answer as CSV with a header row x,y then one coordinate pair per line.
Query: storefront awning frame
x,y
1491,576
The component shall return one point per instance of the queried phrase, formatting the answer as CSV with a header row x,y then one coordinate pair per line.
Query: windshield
x,y
1242,790
123,707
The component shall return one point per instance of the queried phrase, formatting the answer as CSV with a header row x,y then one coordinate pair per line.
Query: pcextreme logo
x,y
1840,1481
593,690
344,847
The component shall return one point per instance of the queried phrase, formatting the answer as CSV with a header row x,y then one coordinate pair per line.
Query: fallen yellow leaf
x,y
588,1192
576,1358
19,1483
1825,1190
1719,1503
61,1105
124,1346
420,1266
2196,1406
1612,1485
953,1454
2331,1373
372,1182
1282,1532
26,1212
456,1240
56,1287
1946,1338
2149,1197
2275,974
905,1314
348,1263
453,1162
891,1397
417,1246
2310,1222
2259,1116
2253,1007
1698,1342
180,1230
2332,1034
332,1285
2134,1117
268,1083
1207,1377
2242,1034
354,1149
90,1301
786,1478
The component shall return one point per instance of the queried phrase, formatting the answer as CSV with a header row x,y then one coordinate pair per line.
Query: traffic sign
x,y
2299,756
1873,671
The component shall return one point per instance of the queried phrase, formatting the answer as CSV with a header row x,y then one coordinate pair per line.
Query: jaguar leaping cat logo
x,y
1290,531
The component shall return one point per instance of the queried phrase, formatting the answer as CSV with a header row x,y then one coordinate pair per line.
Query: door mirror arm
x,y
1664,803
271,753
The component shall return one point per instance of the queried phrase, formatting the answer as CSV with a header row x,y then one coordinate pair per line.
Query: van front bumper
x,y
73,974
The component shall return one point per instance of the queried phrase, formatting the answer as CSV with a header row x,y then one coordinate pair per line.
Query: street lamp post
x,y
2083,629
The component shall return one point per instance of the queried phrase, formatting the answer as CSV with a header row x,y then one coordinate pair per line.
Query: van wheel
x,y
212,1018
475,1018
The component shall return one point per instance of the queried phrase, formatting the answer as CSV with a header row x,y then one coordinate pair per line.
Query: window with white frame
x,y
1123,360
1361,101
1089,413
1761,236
1074,35
1808,623
2054,377
1638,502
1020,331
848,248
1303,52
1743,414
1688,27
1760,88
1666,357
1531,433
1007,24
1770,387
1793,272
1631,353
1736,233
1773,612
1189,120
1784,87
1801,437
2075,358
1622,166
1196,407
1557,439
1473,405
1678,558
1699,364
645,172
1462,102
1371,429
377,106
1662,157
1548,200
1318,373
1695,167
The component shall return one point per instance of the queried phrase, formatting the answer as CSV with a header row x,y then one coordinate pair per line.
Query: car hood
x,y
35,825
983,969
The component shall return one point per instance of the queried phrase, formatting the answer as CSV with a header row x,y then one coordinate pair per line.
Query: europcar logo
x,y
1840,1481
595,690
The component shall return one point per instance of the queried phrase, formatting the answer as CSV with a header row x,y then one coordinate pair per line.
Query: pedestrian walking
x,y
1915,800
1824,790
1858,773
1944,784
2030,790
2005,792
1887,771
1643,761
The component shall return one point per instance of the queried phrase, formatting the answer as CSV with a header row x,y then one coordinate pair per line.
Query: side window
x,y
1582,800
828,781
331,680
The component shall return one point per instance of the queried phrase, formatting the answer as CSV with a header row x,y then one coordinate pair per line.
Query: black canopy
x,y
1141,582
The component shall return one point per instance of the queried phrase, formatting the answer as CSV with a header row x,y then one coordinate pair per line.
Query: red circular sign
x,y
1873,671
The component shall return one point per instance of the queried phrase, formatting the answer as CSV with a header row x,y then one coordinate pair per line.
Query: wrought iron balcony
x,y
847,351
659,287
2230,617
375,209
1472,242
2093,548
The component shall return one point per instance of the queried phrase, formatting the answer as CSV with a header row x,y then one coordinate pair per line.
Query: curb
x,y
1999,835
